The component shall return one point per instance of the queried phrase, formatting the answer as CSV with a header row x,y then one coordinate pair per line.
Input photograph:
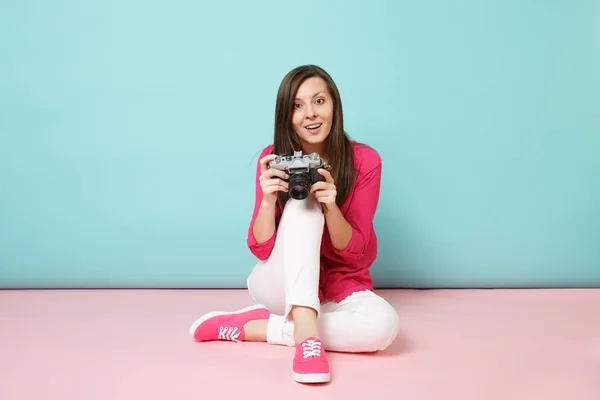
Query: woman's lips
x,y
314,129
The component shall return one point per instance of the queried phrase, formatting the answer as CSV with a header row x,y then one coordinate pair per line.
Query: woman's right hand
x,y
270,181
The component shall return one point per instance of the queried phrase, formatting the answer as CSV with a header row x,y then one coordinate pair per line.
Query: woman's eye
x,y
320,101
297,105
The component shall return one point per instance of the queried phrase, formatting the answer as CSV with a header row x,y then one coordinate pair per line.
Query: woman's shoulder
x,y
266,150
366,158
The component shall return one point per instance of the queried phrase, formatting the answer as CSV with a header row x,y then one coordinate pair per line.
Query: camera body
x,y
302,171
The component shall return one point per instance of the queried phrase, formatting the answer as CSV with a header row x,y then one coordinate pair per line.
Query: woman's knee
x,y
363,323
307,213
389,321
257,285
384,325
264,289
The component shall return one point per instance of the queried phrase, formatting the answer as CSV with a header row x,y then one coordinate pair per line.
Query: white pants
x,y
363,322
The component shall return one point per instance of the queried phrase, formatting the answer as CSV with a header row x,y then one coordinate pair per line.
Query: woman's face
x,y
313,113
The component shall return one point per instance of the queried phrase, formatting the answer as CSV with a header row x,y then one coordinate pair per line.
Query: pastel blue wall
x,y
129,132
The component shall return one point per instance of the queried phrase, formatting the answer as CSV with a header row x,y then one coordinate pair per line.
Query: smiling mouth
x,y
313,127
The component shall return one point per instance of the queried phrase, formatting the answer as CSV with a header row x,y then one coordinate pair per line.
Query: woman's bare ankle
x,y
256,331
305,323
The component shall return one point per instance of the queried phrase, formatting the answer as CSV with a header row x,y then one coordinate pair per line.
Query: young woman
x,y
312,283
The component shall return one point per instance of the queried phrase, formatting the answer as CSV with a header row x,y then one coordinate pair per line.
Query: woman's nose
x,y
310,112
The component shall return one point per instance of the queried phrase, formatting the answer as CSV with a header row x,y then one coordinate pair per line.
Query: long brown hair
x,y
339,148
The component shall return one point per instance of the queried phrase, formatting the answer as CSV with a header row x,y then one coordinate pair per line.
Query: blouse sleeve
x,y
361,212
261,250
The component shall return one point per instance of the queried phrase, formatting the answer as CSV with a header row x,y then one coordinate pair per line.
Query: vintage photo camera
x,y
302,170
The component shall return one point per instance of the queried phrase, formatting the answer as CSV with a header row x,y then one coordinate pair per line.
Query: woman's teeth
x,y
313,126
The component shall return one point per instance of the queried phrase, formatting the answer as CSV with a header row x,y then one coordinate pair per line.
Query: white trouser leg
x,y
363,322
290,277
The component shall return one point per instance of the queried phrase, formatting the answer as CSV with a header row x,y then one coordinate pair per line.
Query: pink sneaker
x,y
220,325
310,362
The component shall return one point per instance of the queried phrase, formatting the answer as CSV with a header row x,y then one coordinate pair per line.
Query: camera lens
x,y
299,186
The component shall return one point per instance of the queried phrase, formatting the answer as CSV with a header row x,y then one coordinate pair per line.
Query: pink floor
x,y
454,344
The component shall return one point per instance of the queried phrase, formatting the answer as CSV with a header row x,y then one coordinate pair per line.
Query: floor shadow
x,y
401,346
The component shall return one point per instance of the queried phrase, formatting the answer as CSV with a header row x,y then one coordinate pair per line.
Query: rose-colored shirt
x,y
345,271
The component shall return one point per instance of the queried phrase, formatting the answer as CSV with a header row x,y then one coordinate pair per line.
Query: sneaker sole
x,y
210,315
311,378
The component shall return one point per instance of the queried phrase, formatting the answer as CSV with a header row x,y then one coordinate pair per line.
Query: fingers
x,y
326,196
265,160
273,185
272,180
325,192
269,173
326,174
274,189
322,186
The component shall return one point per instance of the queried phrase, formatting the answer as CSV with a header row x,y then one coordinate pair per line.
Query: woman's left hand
x,y
325,192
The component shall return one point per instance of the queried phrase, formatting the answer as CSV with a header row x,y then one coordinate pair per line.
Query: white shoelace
x,y
229,333
311,348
